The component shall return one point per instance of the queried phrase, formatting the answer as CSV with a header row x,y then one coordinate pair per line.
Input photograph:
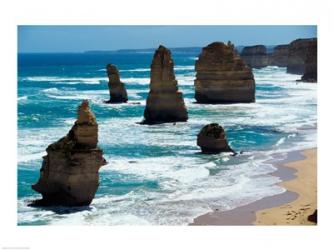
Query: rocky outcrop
x,y
222,76
255,56
310,70
279,57
69,173
164,103
298,51
212,139
313,217
118,93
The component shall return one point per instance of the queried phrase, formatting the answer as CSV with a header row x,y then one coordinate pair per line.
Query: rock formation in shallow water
x,y
69,173
298,50
279,57
255,56
164,103
117,89
222,76
212,139
310,70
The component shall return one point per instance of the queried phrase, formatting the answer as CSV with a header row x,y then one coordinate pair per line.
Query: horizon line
x,y
124,49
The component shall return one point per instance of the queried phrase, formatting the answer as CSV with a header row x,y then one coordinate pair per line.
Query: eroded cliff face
x,y
164,103
118,93
279,57
212,139
310,70
222,76
69,173
298,51
255,56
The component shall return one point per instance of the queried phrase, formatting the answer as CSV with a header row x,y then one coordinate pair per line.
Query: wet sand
x,y
298,211
299,174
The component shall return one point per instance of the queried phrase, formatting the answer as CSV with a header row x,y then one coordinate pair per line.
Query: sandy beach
x,y
298,211
293,207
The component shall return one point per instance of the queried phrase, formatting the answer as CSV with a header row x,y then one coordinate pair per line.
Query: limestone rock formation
x,y
118,93
279,57
298,51
164,103
255,56
212,139
69,173
222,76
310,70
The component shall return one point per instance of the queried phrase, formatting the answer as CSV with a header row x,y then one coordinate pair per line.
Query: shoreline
x,y
288,208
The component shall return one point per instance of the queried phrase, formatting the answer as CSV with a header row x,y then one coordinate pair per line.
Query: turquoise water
x,y
155,174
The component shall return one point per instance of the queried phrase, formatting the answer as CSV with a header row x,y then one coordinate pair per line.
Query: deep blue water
x,y
155,173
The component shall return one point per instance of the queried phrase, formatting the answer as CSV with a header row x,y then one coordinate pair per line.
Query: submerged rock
x,y
255,56
279,56
212,139
298,51
69,173
222,76
118,93
310,70
164,103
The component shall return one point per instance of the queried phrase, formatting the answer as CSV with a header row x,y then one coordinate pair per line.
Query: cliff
x,y
222,76
117,90
310,70
69,173
255,56
164,103
298,50
279,57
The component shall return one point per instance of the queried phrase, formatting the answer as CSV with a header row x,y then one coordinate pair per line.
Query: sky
x,y
38,39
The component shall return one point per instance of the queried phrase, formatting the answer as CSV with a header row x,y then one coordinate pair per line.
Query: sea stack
x,y
69,173
255,56
212,139
279,57
298,51
310,70
222,76
164,103
118,93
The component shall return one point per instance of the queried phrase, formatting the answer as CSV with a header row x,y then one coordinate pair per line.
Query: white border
x,y
109,12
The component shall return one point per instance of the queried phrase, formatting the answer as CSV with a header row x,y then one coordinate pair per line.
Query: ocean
x,y
155,174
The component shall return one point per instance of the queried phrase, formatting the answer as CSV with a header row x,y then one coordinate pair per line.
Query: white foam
x,y
136,80
50,90
185,80
32,143
22,98
184,67
135,70
176,68
188,184
65,80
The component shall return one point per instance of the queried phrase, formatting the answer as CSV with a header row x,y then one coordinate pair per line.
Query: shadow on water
x,y
60,210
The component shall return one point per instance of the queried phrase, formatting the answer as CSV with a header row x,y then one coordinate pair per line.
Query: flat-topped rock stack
x,y
69,173
222,76
212,139
310,70
298,51
279,57
255,56
118,93
164,103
